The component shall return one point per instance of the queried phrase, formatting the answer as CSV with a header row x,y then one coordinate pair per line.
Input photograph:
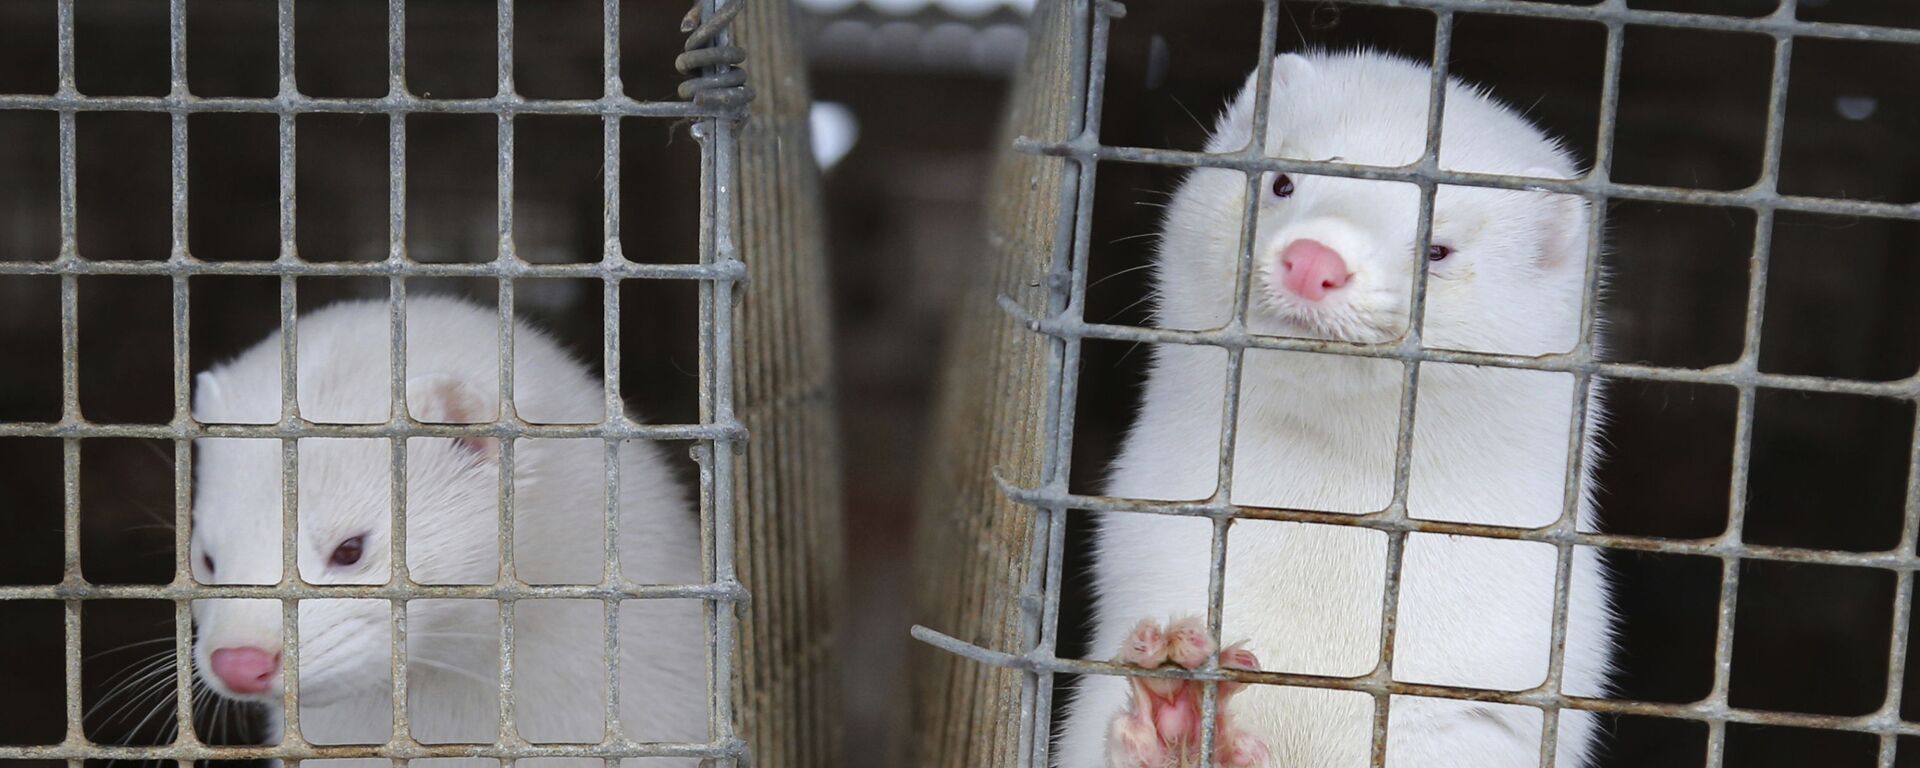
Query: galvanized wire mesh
x,y
714,109
1041,268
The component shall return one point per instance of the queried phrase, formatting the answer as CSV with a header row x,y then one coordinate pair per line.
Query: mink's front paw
x,y
1160,728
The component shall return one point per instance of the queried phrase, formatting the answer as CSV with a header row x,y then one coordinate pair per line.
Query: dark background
x,y
1828,471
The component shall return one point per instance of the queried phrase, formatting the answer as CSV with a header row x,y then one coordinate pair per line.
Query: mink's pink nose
x,y
246,670
1312,270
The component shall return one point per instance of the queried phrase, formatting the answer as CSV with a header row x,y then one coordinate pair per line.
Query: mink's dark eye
x,y
207,560
1282,186
348,552
1439,253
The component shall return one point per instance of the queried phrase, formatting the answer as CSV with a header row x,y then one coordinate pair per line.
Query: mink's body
x,y
1334,259
452,523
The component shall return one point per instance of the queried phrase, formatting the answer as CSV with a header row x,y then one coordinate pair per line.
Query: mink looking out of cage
x,y
452,514
1335,258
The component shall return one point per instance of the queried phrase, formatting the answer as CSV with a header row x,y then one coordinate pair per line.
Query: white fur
x,y
452,529
1318,432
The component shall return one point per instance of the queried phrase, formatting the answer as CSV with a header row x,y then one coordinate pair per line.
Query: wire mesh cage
x,y
585,257
1000,521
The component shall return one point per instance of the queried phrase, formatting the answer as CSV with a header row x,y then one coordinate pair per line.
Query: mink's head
x,y
1334,258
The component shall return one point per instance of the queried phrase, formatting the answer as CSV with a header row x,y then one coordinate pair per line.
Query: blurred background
x,y
910,94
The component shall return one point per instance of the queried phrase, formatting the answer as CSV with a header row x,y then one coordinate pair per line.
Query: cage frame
x,y
714,106
1064,326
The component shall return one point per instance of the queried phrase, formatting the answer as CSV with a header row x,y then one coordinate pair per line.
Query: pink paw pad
x,y
1161,726
1145,646
1187,643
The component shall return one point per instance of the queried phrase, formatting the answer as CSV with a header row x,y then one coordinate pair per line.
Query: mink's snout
x,y
245,669
1311,270
1315,261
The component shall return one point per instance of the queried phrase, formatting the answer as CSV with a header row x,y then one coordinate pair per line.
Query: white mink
x,y
1334,259
452,530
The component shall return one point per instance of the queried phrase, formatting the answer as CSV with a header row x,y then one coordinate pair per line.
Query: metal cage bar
x,y
719,433
1064,326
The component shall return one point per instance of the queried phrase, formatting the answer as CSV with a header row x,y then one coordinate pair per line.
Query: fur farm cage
x,y
1752,166
532,156
179,178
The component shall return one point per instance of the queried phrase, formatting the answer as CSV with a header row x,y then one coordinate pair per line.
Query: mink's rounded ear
x,y
442,399
205,389
1235,127
1231,132
1563,224
230,396
1290,67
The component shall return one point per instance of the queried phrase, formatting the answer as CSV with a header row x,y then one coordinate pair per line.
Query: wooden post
x,y
972,541
787,492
